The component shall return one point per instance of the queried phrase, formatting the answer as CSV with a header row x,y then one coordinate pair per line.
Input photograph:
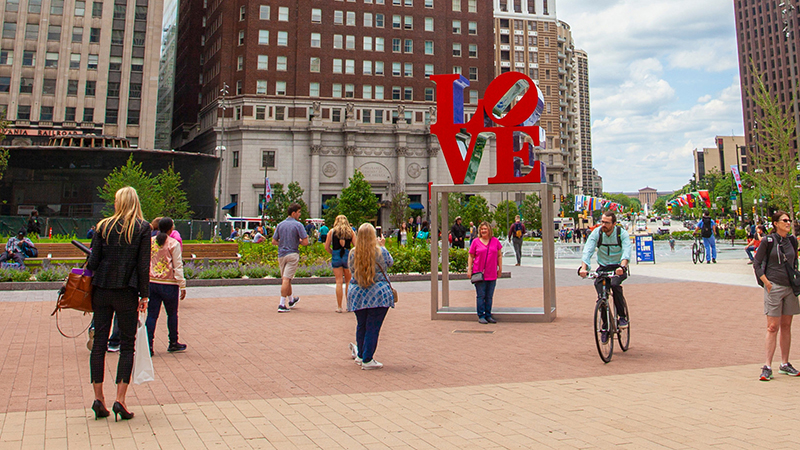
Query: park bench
x,y
211,252
56,252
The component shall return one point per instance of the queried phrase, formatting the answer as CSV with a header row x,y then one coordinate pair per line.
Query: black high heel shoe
x,y
120,410
100,411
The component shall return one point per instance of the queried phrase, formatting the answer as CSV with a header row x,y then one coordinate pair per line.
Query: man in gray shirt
x,y
288,236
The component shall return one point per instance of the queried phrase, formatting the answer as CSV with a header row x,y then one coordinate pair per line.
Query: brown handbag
x,y
76,293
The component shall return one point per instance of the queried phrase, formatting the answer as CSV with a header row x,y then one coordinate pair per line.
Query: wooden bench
x,y
60,252
211,252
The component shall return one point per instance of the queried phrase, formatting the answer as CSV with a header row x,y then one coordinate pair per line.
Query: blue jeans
x,y
169,295
711,248
749,250
369,325
485,295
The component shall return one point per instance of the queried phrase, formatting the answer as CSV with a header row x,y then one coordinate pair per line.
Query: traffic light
x,y
740,210
754,209
562,211
554,198
562,198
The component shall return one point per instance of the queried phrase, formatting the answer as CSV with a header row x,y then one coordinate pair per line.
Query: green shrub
x,y
303,272
190,272
458,259
230,272
210,273
255,271
14,275
323,271
52,273
274,272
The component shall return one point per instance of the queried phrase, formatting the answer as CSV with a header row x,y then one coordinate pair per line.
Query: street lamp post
x,y
221,152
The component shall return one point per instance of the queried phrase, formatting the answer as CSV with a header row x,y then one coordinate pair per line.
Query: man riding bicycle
x,y
613,245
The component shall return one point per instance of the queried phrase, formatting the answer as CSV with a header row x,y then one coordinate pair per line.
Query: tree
x,y
774,155
399,211
175,204
531,212
277,206
331,212
357,201
504,215
476,211
294,194
131,174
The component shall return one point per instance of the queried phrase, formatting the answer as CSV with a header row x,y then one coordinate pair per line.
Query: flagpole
x,y
264,204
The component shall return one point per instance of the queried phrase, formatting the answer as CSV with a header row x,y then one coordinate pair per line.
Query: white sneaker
x,y
372,365
353,351
358,360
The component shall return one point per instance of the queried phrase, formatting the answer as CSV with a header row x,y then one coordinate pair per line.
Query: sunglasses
x,y
786,220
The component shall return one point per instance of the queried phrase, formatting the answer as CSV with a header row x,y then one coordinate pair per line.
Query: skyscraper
x,y
585,119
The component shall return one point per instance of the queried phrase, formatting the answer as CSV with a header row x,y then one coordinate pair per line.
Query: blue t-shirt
x,y
289,233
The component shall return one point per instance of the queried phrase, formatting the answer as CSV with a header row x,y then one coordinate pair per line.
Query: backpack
x,y
518,230
600,242
706,230
769,241
29,251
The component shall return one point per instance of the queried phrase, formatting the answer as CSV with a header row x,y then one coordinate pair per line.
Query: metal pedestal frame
x,y
545,313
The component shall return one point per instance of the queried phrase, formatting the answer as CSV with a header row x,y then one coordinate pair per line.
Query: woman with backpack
x,y
167,283
774,262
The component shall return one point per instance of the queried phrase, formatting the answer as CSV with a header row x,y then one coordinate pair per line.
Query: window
x,y
35,6
12,5
138,38
261,87
366,91
336,90
368,19
263,62
137,64
5,84
366,116
112,115
263,37
280,64
349,90
94,35
429,24
91,87
408,22
283,14
408,46
9,30
140,13
315,64
473,97
408,70
77,34
118,37
316,15
351,19
396,93
54,33
72,87
396,21
28,58
350,42
261,112
428,70
51,59
428,47
268,159
429,3
429,94
31,31
367,67
135,90
313,89
97,9
457,69
88,114
338,18
240,39
379,113
26,85
115,63
133,117
456,49
473,28
473,73
336,115
338,42
396,69
456,5
379,68
379,41
472,6
473,50
242,13
316,40
378,96
337,65
113,89
69,114
456,27
408,93
367,43
239,63
80,9
280,89
283,38
6,57
263,12
408,2
24,112
235,159
350,66
379,20
396,45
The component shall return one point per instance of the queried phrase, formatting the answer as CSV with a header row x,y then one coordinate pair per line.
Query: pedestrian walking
x,y
34,224
515,234
775,257
167,284
120,260
370,294
323,233
338,244
708,229
288,236
485,258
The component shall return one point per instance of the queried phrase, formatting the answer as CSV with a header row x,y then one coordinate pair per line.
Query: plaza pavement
x,y
252,378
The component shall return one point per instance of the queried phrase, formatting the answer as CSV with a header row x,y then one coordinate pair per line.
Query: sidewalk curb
x,y
55,285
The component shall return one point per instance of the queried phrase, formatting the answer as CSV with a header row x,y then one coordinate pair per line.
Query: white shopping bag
x,y
142,363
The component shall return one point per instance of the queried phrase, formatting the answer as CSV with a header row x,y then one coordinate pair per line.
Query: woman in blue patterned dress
x,y
369,295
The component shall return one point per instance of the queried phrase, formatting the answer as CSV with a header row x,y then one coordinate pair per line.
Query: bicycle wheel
x,y
605,349
694,252
624,334
701,253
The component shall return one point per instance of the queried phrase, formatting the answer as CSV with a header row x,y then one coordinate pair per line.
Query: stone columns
x,y
349,162
315,203
433,153
401,168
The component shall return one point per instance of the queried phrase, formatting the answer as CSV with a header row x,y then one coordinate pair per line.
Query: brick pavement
x,y
253,378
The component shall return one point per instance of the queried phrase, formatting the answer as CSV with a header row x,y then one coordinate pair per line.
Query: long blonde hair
x,y
365,255
127,210
342,228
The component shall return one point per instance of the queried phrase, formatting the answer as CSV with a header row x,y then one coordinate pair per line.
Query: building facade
x,y
588,173
80,67
315,90
730,150
768,38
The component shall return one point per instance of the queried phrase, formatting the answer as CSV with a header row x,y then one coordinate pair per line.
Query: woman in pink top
x,y
485,256
167,283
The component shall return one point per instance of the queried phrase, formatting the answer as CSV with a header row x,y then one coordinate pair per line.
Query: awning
x,y
229,206
416,205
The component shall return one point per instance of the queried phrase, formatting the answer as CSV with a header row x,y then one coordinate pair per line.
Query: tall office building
x,y
80,67
166,75
318,89
585,128
530,39
730,150
761,39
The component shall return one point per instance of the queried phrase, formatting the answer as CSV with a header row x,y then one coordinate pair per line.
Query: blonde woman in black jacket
x,y
120,261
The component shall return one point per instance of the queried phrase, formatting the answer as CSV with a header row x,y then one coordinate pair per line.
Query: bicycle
x,y
698,250
604,328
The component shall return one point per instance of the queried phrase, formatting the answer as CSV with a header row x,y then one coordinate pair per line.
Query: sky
x,y
663,80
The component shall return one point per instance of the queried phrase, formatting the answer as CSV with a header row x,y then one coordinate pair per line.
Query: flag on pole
x,y
735,172
267,190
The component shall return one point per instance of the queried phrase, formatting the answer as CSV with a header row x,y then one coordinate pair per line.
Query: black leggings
x,y
105,303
